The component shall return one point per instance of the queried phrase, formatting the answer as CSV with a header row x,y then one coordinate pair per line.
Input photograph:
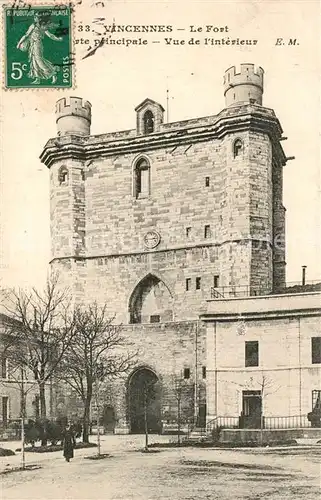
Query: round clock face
x,y
151,239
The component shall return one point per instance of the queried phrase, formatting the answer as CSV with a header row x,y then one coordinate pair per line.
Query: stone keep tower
x,y
227,231
150,220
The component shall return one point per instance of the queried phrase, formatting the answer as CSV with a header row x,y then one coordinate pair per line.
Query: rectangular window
x,y
204,371
4,367
155,318
216,281
188,232
207,231
316,349
187,373
207,181
188,284
198,283
252,353
316,400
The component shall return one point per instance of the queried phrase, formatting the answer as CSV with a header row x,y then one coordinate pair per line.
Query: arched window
x,y
63,176
150,302
148,122
142,178
237,147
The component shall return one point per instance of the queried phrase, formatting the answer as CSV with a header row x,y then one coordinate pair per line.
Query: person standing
x,y
69,443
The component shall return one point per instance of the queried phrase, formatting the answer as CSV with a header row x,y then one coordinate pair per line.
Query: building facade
x,y
264,359
149,220
12,386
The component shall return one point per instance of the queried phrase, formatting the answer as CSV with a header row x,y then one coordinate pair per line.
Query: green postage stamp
x,y
38,46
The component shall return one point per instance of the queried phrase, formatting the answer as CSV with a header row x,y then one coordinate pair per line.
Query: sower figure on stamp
x,y
32,41
69,443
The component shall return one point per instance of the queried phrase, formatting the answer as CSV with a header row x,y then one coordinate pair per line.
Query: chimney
x,y
303,274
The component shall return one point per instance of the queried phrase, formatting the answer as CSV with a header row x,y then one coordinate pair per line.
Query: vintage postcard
x,y
160,305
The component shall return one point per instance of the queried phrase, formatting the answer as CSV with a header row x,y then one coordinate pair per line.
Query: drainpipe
x,y
300,370
215,360
195,378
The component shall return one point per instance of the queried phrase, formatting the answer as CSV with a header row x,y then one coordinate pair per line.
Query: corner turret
x,y
73,116
246,86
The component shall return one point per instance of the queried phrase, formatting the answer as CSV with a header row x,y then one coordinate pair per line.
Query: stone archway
x,y
144,396
151,301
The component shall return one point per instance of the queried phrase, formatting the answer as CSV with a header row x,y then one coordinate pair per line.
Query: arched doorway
x,y
144,402
108,419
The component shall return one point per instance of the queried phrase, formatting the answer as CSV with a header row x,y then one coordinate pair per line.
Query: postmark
x,y
38,46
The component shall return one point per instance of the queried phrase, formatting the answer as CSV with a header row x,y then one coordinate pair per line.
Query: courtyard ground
x,y
171,474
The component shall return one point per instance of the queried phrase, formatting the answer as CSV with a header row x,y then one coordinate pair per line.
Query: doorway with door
x,y
251,417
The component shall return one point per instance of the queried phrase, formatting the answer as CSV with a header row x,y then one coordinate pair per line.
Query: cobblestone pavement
x,y
171,474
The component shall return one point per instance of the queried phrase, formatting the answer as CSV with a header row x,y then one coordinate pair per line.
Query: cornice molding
x,y
262,315
85,148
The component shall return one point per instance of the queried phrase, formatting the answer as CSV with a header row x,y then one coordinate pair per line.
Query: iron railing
x,y
223,292
239,291
282,422
290,422
223,423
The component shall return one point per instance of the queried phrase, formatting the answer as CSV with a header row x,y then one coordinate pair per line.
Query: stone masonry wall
x,y
166,349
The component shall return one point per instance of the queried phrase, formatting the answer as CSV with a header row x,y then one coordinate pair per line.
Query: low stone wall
x,y
267,436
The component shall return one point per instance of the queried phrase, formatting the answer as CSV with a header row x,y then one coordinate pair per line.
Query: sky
x,y
117,78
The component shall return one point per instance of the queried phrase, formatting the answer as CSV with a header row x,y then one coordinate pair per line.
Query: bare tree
x,y
180,386
267,387
95,354
39,329
150,390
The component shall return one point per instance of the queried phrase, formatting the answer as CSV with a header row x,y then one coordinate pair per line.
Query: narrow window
x,y
188,232
204,371
316,401
207,231
4,367
252,353
216,281
148,122
207,182
83,176
63,176
155,318
316,349
198,283
237,148
187,373
188,284
142,178
5,408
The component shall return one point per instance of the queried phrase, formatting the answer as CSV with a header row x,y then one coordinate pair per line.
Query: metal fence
x,y
283,422
239,291
222,423
224,292
290,422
